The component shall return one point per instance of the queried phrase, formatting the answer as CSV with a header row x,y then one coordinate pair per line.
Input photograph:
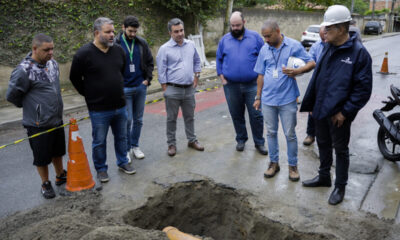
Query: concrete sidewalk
x,y
11,116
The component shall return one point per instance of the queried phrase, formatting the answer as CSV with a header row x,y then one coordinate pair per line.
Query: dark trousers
x,y
329,137
310,126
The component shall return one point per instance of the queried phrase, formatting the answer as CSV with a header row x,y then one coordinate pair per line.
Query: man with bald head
x,y
236,57
277,91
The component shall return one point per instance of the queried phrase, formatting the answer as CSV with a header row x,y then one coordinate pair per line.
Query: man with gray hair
x,y
35,86
277,91
97,74
179,69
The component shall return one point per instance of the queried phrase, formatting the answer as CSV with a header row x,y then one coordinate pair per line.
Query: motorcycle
x,y
389,130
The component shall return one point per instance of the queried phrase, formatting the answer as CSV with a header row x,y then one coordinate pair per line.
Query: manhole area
x,y
210,210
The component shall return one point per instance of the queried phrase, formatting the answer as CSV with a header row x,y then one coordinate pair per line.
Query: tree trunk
x,y
229,6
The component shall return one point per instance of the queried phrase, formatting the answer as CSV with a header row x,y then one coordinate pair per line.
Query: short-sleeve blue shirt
x,y
282,90
316,50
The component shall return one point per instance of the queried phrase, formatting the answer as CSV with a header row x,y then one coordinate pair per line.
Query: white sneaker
x,y
128,156
137,153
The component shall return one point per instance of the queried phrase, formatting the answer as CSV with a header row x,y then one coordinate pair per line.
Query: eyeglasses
x,y
328,28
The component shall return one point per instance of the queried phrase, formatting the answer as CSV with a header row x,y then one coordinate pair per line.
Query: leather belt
x,y
179,85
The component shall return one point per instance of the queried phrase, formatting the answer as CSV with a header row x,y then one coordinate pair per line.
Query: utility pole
x,y
373,9
352,6
391,20
229,6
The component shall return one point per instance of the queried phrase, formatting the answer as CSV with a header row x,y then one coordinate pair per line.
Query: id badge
x,y
132,67
275,73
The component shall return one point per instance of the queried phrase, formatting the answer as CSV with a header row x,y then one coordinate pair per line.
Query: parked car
x,y
310,35
373,27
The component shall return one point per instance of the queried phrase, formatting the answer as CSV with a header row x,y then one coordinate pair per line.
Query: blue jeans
x,y
240,96
287,114
310,126
101,121
135,100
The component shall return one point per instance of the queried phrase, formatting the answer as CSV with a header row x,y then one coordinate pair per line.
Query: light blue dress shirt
x,y
316,50
283,89
177,64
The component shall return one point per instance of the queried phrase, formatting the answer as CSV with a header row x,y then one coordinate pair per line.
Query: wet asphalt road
x,y
20,183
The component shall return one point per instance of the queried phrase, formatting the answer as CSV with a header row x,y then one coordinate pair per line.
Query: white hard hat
x,y
294,62
336,14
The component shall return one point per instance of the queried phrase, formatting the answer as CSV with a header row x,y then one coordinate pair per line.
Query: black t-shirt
x,y
99,76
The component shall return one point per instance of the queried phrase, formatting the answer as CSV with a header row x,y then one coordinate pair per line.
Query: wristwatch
x,y
197,75
257,98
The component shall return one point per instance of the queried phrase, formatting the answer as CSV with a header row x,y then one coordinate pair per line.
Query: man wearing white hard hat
x,y
340,86
279,61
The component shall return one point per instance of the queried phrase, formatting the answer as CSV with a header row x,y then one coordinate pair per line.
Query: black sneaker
x,y
103,176
62,178
128,169
240,146
47,190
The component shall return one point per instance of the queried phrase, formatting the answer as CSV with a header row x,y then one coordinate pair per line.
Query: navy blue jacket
x,y
348,83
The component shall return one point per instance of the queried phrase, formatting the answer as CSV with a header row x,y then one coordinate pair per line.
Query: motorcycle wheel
x,y
389,149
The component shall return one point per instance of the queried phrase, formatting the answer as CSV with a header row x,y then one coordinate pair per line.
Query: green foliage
x,y
201,10
377,12
360,6
70,23
252,3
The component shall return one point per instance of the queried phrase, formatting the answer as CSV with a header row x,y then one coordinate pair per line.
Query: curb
x,y
151,95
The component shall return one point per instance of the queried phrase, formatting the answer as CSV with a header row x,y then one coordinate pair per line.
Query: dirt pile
x,y
212,210
199,207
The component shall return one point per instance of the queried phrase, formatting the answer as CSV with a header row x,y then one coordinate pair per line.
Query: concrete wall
x,y
291,23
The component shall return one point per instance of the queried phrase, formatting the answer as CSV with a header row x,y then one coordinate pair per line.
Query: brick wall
x,y
381,4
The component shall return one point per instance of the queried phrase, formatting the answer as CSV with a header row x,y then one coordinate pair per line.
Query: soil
x,y
199,207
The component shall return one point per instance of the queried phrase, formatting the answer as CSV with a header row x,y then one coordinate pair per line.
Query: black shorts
x,y
46,146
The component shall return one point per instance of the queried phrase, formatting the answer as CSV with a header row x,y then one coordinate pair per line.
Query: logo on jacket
x,y
347,60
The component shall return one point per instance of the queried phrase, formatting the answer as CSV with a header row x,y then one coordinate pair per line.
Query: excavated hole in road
x,y
210,210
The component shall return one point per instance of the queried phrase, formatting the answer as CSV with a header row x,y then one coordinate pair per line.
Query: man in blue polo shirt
x,y
236,56
277,91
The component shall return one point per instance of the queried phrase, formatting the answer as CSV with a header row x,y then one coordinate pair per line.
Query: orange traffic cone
x,y
175,234
79,176
385,68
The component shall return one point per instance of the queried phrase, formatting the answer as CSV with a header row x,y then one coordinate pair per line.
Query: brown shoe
x,y
273,168
171,150
294,174
196,145
309,140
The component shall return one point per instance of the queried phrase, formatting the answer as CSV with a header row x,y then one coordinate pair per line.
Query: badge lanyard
x,y
275,71
130,50
276,60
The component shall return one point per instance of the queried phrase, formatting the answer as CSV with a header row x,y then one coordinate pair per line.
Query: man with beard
x,y
236,57
277,91
137,76
97,73
179,69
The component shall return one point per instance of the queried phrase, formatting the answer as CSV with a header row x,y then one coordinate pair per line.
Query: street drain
x,y
206,209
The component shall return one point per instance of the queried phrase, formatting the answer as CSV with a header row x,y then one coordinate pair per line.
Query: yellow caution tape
x,y
81,119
